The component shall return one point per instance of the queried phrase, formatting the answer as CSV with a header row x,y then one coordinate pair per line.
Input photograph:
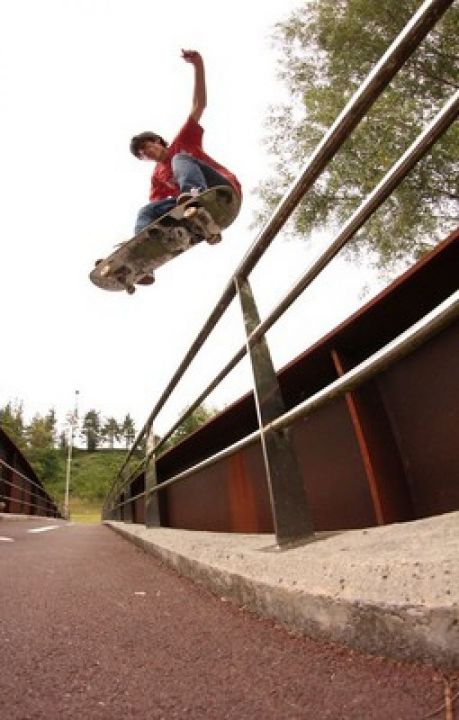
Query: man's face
x,y
152,151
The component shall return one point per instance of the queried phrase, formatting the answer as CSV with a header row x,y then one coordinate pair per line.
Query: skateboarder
x,y
182,168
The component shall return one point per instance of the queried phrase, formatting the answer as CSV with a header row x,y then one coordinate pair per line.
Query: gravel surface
x,y
92,627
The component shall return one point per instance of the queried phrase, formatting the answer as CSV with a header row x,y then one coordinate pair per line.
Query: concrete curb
x,y
39,518
311,591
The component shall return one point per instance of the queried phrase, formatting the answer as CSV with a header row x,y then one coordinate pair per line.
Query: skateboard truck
x,y
129,287
105,271
203,220
190,212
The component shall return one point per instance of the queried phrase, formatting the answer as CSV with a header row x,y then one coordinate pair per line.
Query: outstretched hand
x,y
191,56
199,89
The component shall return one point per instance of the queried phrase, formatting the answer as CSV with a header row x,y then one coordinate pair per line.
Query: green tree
x,y
12,422
127,431
326,49
39,433
51,423
40,449
91,430
111,431
198,417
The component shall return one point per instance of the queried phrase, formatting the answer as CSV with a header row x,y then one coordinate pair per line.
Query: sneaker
x,y
188,195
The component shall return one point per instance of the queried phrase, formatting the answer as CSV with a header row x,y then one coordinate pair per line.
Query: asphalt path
x,y
92,627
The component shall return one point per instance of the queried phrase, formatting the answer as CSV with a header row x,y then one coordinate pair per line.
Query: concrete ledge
x,y
16,517
391,590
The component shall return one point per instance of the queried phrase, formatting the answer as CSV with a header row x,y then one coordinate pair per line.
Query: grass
x,y
83,511
91,476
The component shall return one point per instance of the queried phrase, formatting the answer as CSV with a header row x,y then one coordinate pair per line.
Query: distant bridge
x,y
21,491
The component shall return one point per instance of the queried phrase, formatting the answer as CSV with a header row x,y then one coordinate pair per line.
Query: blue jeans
x,y
188,172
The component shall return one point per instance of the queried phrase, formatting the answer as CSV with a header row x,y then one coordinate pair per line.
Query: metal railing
x,y
23,493
291,516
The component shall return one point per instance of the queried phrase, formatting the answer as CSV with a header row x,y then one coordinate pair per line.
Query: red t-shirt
x,y
189,140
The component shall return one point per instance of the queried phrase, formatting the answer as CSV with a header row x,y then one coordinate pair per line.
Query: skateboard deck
x,y
172,234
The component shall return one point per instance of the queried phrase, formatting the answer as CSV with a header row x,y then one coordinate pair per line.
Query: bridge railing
x,y
291,515
22,495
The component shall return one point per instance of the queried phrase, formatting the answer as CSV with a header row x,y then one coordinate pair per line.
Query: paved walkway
x,y
93,627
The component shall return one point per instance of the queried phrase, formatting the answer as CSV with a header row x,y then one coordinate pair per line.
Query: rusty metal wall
x,y
421,394
386,452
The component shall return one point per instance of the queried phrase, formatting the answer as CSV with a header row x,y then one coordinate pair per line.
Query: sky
x,y
78,78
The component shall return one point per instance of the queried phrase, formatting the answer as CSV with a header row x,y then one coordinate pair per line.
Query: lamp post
x,y
73,424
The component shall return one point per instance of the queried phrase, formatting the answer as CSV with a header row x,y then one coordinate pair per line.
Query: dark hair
x,y
138,140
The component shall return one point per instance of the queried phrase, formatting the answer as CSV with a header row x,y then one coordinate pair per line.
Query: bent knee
x,y
180,158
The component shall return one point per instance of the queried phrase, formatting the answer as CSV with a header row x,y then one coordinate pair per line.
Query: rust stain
x,y
243,506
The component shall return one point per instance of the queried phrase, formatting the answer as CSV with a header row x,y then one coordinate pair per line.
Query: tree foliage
x,y
91,430
327,48
127,431
12,422
111,431
198,417
36,440
40,449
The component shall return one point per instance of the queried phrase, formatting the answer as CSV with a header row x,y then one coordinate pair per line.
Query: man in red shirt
x,y
182,168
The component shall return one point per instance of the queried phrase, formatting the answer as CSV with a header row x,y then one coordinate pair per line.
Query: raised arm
x,y
199,91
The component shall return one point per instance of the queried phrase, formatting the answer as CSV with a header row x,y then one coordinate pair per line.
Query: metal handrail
x,y
41,499
24,502
396,55
20,474
399,347
368,207
378,79
29,492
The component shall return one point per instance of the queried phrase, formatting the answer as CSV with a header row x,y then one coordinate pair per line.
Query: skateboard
x,y
199,218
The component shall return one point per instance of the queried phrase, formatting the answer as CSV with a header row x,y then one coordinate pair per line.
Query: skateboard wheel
x,y
105,271
190,212
214,239
146,279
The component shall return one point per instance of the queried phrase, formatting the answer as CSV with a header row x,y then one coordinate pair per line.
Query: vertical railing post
x,y
152,518
291,516
128,509
113,514
19,480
